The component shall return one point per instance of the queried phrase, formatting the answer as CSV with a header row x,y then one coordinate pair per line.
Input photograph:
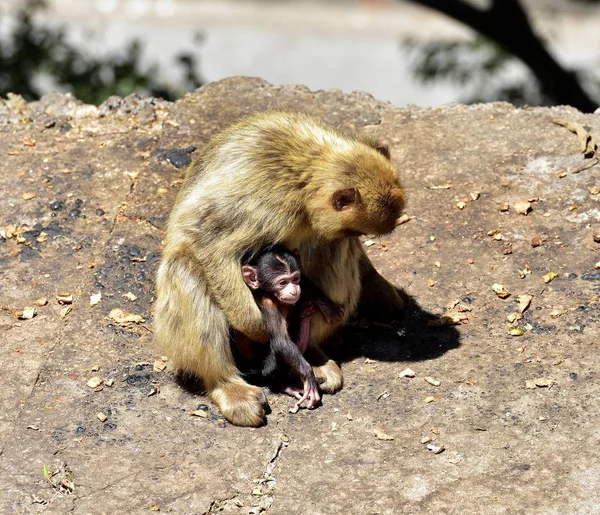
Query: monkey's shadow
x,y
411,338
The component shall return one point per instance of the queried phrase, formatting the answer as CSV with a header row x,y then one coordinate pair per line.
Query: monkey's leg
x,y
327,372
194,332
379,299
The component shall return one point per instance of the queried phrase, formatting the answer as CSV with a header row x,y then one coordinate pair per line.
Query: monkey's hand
x,y
307,310
332,312
311,395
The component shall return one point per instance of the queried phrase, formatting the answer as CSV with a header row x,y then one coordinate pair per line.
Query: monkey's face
x,y
286,287
368,199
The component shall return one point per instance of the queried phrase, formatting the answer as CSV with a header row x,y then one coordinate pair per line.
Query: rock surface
x,y
517,416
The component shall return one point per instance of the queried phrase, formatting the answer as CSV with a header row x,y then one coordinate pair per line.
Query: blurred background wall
x,y
426,52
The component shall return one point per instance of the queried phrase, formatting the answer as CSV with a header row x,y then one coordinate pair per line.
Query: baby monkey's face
x,y
286,287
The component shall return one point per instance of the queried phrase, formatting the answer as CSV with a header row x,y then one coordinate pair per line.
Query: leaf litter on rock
x,y
381,435
549,277
540,382
522,207
500,291
122,318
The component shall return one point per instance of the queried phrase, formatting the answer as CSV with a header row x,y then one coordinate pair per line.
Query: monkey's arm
x,y
288,351
221,268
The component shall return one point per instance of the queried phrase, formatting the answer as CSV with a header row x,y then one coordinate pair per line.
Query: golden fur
x,y
271,178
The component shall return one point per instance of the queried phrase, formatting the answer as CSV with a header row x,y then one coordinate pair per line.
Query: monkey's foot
x,y
240,403
329,376
292,390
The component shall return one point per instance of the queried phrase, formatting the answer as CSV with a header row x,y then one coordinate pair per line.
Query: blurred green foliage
x,y
489,72
32,51
486,70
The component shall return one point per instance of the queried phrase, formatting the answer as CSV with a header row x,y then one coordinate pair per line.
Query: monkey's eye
x,y
282,283
296,280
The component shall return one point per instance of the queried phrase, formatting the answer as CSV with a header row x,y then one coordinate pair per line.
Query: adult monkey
x,y
271,178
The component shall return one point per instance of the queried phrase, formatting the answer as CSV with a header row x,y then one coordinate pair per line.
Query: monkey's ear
x,y
341,199
381,147
250,277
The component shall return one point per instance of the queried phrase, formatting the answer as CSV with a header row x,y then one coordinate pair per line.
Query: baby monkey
x,y
273,275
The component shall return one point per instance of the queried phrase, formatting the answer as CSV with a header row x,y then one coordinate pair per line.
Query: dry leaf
x,y
94,382
516,331
454,458
594,190
28,195
540,382
65,311
27,314
130,296
475,195
42,301
407,372
64,298
442,187
524,302
102,417
549,277
432,381
513,317
555,313
122,318
95,298
369,243
429,399
381,435
461,205
525,272
426,439
500,291
435,448
522,206
430,283
159,365
504,207
199,413
449,319
537,241
383,395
